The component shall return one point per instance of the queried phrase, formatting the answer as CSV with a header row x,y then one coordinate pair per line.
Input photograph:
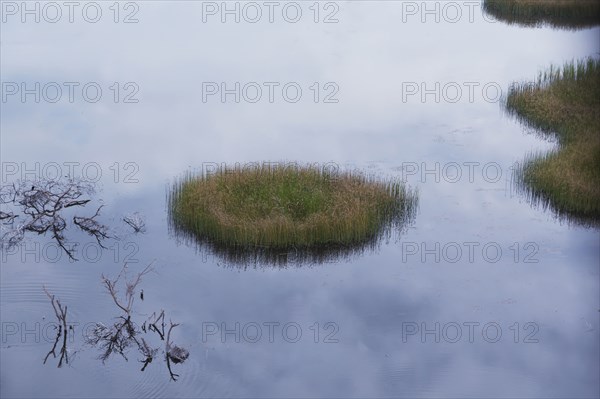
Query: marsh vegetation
x,y
282,208
565,14
562,104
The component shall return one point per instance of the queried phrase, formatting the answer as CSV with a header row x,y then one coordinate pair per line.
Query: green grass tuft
x,y
282,207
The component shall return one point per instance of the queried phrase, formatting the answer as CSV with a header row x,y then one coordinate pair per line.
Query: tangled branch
x,y
123,333
41,204
111,286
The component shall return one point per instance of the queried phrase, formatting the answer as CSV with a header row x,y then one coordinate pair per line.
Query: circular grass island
x,y
288,206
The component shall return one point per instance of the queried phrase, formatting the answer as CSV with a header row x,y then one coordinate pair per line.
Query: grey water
x,y
483,295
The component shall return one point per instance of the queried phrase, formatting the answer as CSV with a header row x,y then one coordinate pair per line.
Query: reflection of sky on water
x,y
369,54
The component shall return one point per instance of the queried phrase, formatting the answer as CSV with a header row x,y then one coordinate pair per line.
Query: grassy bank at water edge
x,y
564,104
566,14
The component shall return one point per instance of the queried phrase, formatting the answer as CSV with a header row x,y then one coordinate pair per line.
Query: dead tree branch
x,y
136,222
174,353
61,316
123,334
41,203
152,326
92,227
111,286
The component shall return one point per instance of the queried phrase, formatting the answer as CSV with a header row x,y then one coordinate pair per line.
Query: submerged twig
x,y
61,315
136,222
174,353
92,227
123,333
130,288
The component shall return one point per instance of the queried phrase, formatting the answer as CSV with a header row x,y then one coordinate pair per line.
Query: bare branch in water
x,y
123,333
148,352
61,316
152,326
77,203
41,203
9,216
40,207
136,222
174,353
111,286
92,227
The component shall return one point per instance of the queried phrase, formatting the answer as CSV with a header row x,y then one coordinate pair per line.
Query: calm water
x,y
483,295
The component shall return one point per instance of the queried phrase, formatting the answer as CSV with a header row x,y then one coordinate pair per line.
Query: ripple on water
x,y
194,380
23,300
